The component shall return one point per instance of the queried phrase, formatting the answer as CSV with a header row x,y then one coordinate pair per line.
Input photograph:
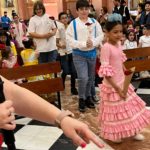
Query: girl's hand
x,y
6,116
121,93
79,132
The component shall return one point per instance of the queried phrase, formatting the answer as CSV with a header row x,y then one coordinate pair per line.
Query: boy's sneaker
x,y
74,91
95,99
89,103
81,105
139,137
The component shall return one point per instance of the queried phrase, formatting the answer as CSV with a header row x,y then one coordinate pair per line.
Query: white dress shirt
x,y
83,34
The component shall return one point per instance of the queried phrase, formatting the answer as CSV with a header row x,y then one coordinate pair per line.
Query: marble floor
x,y
34,135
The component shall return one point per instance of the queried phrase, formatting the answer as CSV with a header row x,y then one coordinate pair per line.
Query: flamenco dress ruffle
x,y
120,118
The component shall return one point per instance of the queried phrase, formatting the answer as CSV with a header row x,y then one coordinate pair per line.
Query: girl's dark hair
x,y
82,3
38,5
28,43
8,37
5,53
142,6
130,31
61,14
110,25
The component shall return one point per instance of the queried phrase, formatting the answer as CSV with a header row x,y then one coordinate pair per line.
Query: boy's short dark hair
x,y
147,2
61,14
81,4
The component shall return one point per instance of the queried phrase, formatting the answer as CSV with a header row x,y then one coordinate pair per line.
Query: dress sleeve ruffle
x,y
124,58
105,70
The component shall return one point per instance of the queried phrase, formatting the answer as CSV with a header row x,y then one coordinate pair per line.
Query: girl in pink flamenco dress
x,y
120,115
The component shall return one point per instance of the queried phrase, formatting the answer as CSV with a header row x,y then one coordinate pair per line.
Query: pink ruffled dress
x,y
118,118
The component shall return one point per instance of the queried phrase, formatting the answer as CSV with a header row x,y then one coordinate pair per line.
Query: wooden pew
x,y
138,57
39,87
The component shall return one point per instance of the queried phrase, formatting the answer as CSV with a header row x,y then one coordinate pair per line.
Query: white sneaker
x,y
144,74
117,141
139,137
147,74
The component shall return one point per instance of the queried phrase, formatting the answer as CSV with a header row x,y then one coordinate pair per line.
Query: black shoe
x,y
95,99
89,103
74,91
81,105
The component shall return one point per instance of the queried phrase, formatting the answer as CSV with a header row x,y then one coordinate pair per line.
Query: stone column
x,y
22,9
110,5
53,7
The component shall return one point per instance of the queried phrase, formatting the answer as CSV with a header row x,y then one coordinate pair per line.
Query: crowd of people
x,y
80,44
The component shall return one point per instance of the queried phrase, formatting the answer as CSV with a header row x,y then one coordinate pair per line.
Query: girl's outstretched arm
x,y
26,103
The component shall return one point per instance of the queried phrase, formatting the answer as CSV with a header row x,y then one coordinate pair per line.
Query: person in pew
x,y
30,57
25,103
130,42
144,41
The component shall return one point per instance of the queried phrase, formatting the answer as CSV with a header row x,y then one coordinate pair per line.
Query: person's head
x,y
123,38
63,18
38,8
92,8
15,18
5,13
147,6
146,30
82,7
123,2
6,53
140,7
13,13
114,28
116,2
3,36
104,10
130,26
131,35
137,27
27,42
68,11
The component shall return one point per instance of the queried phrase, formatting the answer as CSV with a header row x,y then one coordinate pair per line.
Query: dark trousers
x,y
68,69
46,57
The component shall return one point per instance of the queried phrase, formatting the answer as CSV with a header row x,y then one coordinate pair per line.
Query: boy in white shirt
x,y
42,29
84,34
65,52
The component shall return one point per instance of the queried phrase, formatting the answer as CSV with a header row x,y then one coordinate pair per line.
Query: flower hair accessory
x,y
114,17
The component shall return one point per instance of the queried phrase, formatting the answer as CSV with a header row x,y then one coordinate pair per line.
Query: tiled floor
x,y
34,135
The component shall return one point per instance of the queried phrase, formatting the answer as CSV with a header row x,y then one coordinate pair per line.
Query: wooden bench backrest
x,y
138,57
38,87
